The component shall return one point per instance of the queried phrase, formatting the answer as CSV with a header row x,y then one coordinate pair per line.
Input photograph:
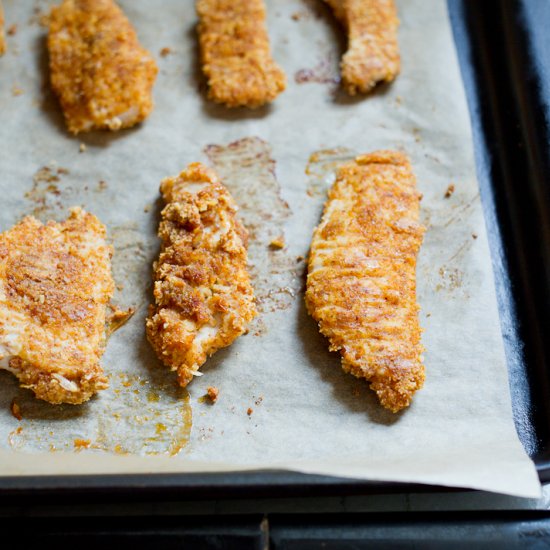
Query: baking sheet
x,y
284,401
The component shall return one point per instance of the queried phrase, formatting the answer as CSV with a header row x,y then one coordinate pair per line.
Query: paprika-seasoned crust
x,y
373,52
2,32
361,283
235,53
98,69
55,284
203,296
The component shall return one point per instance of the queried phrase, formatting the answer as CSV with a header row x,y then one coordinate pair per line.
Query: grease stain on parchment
x,y
130,418
324,72
248,171
131,263
53,192
321,169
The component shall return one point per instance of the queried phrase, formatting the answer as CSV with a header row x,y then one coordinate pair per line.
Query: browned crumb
x,y
212,393
118,318
147,208
100,72
474,235
102,185
258,401
361,283
12,30
450,190
165,51
249,411
373,52
235,53
299,259
63,171
278,243
16,410
82,443
203,296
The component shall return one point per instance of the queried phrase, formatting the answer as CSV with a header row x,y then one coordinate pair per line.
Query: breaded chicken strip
x,y
235,53
2,32
203,296
102,75
55,284
361,284
373,52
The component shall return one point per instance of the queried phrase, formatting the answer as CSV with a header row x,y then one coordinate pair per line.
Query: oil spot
x,y
130,263
451,279
324,72
126,420
248,170
321,169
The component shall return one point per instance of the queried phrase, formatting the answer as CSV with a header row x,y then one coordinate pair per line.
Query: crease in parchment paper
x,y
284,401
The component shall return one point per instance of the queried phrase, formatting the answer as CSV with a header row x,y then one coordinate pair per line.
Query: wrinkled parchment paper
x,y
284,401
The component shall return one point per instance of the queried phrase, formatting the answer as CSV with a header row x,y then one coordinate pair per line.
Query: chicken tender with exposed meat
x,y
100,72
203,296
55,284
373,51
361,283
235,53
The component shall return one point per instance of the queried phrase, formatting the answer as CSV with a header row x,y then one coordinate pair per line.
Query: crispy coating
x,y
361,284
101,74
235,53
55,283
203,296
2,32
373,52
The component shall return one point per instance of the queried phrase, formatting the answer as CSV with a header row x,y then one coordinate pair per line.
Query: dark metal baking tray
x,y
502,47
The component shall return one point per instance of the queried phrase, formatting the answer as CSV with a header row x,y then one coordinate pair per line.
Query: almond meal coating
x,y
100,72
203,296
235,53
55,284
361,283
373,52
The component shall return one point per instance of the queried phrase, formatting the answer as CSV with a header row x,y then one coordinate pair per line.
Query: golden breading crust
x,y
55,284
235,53
361,284
2,32
373,52
102,75
203,296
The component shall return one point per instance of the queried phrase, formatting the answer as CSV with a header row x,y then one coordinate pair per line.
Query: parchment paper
x,y
284,400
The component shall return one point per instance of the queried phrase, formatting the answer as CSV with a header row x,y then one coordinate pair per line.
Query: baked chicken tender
x,y
2,32
235,53
361,284
203,296
55,284
100,72
373,51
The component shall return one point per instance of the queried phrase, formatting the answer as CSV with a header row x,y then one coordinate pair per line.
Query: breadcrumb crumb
x,y
212,393
16,410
